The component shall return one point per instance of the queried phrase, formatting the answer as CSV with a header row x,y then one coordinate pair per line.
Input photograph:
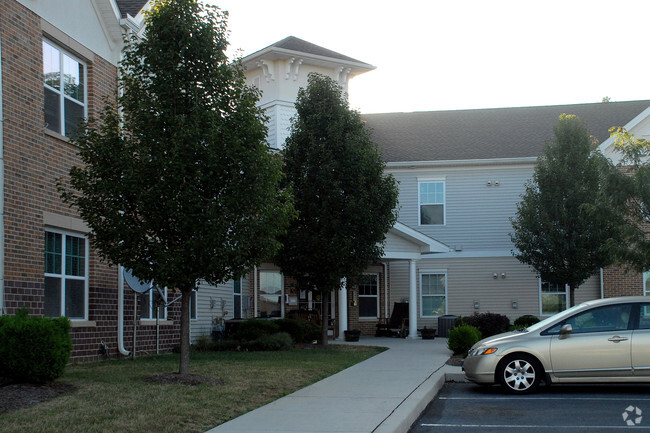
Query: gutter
x,y
2,193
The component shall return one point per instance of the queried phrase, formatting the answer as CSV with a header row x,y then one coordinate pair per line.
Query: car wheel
x,y
519,373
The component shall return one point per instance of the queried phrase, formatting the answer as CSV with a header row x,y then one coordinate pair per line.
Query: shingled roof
x,y
131,7
487,133
298,45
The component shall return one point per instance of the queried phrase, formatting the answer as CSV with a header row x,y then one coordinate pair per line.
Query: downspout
x,y
602,289
120,312
2,193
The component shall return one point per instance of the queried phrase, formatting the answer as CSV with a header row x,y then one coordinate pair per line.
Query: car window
x,y
601,319
644,316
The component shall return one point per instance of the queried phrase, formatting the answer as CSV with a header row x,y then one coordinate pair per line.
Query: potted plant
x,y
352,334
428,333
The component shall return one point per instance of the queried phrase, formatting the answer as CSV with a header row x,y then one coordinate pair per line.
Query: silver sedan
x,y
606,340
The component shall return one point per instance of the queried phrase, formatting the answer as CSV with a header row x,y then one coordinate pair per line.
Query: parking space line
x,y
554,427
520,398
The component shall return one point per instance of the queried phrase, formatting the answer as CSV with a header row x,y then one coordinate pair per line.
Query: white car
x,y
606,340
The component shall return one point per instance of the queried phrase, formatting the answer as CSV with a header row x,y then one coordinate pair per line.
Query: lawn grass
x,y
113,396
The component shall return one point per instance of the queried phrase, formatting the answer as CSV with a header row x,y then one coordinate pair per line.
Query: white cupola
x,y
279,70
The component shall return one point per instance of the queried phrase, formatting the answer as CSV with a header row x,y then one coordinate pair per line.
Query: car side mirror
x,y
565,330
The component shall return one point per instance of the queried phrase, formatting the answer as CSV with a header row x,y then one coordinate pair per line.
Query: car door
x,y
598,345
641,343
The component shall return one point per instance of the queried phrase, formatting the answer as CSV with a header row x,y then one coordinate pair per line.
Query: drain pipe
x,y
120,312
386,303
2,194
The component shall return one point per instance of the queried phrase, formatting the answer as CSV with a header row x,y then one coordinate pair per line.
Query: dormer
x,y
279,70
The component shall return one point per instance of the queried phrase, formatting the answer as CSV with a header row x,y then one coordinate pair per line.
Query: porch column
x,y
413,301
343,307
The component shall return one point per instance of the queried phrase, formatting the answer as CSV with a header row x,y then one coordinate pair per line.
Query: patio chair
x,y
397,325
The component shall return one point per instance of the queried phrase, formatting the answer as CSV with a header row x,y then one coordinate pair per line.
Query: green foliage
x,y
277,341
462,338
252,329
629,189
345,202
566,223
525,321
203,344
181,186
34,349
301,331
488,323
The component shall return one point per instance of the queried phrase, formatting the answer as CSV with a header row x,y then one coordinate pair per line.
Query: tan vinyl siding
x,y
207,310
471,280
477,216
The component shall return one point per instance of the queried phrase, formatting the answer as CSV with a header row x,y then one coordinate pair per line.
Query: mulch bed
x,y
456,360
17,395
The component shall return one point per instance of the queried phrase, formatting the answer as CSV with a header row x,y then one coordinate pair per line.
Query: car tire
x,y
519,373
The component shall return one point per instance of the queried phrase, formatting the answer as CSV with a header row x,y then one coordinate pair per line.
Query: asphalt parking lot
x,y
466,407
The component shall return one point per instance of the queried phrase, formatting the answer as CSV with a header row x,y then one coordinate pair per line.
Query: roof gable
x,y
131,7
487,133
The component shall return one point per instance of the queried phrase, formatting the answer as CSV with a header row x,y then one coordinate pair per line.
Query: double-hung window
x,y
66,275
153,302
433,294
553,297
369,296
271,294
65,90
432,202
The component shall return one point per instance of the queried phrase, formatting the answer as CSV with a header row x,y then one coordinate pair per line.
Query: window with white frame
x,y
65,90
646,283
433,293
553,297
237,298
153,302
369,296
271,294
432,202
66,275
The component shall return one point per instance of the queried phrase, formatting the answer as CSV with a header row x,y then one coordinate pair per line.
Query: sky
x,y
464,54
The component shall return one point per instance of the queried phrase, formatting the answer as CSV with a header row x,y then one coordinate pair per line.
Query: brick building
x,y
56,67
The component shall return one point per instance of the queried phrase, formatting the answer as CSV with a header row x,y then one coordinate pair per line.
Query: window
x,y
270,294
193,305
66,275
646,283
152,301
368,295
237,298
553,298
433,294
602,319
432,203
65,90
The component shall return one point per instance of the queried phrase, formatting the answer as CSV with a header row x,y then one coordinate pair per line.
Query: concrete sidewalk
x,y
384,394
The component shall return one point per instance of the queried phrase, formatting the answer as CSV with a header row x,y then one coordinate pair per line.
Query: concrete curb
x,y
408,412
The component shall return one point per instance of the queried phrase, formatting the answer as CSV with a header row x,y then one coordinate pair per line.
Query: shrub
x,y
293,327
312,331
278,341
203,344
488,323
462,338
525,321
252,329
34,349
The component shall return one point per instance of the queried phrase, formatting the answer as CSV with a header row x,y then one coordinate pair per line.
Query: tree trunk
x,y
325,312
572,297
184,367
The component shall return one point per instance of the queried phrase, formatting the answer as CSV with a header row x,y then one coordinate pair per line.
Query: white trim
x,y
462,162
376,296
628,127
422,272
62,275
646,289
443,181
539,290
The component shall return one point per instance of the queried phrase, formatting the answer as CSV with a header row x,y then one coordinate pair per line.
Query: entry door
x,y
599,345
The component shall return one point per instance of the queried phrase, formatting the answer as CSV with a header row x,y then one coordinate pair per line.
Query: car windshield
x,y
539,325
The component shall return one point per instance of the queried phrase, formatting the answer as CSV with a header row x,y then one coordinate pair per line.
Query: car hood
x,y
499,338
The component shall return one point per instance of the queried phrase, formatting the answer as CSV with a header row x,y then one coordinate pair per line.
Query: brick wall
x,y
34,160
620,281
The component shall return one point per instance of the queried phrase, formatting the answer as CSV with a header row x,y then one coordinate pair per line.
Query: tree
x,y
345,202
566,223
181,187
629,188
